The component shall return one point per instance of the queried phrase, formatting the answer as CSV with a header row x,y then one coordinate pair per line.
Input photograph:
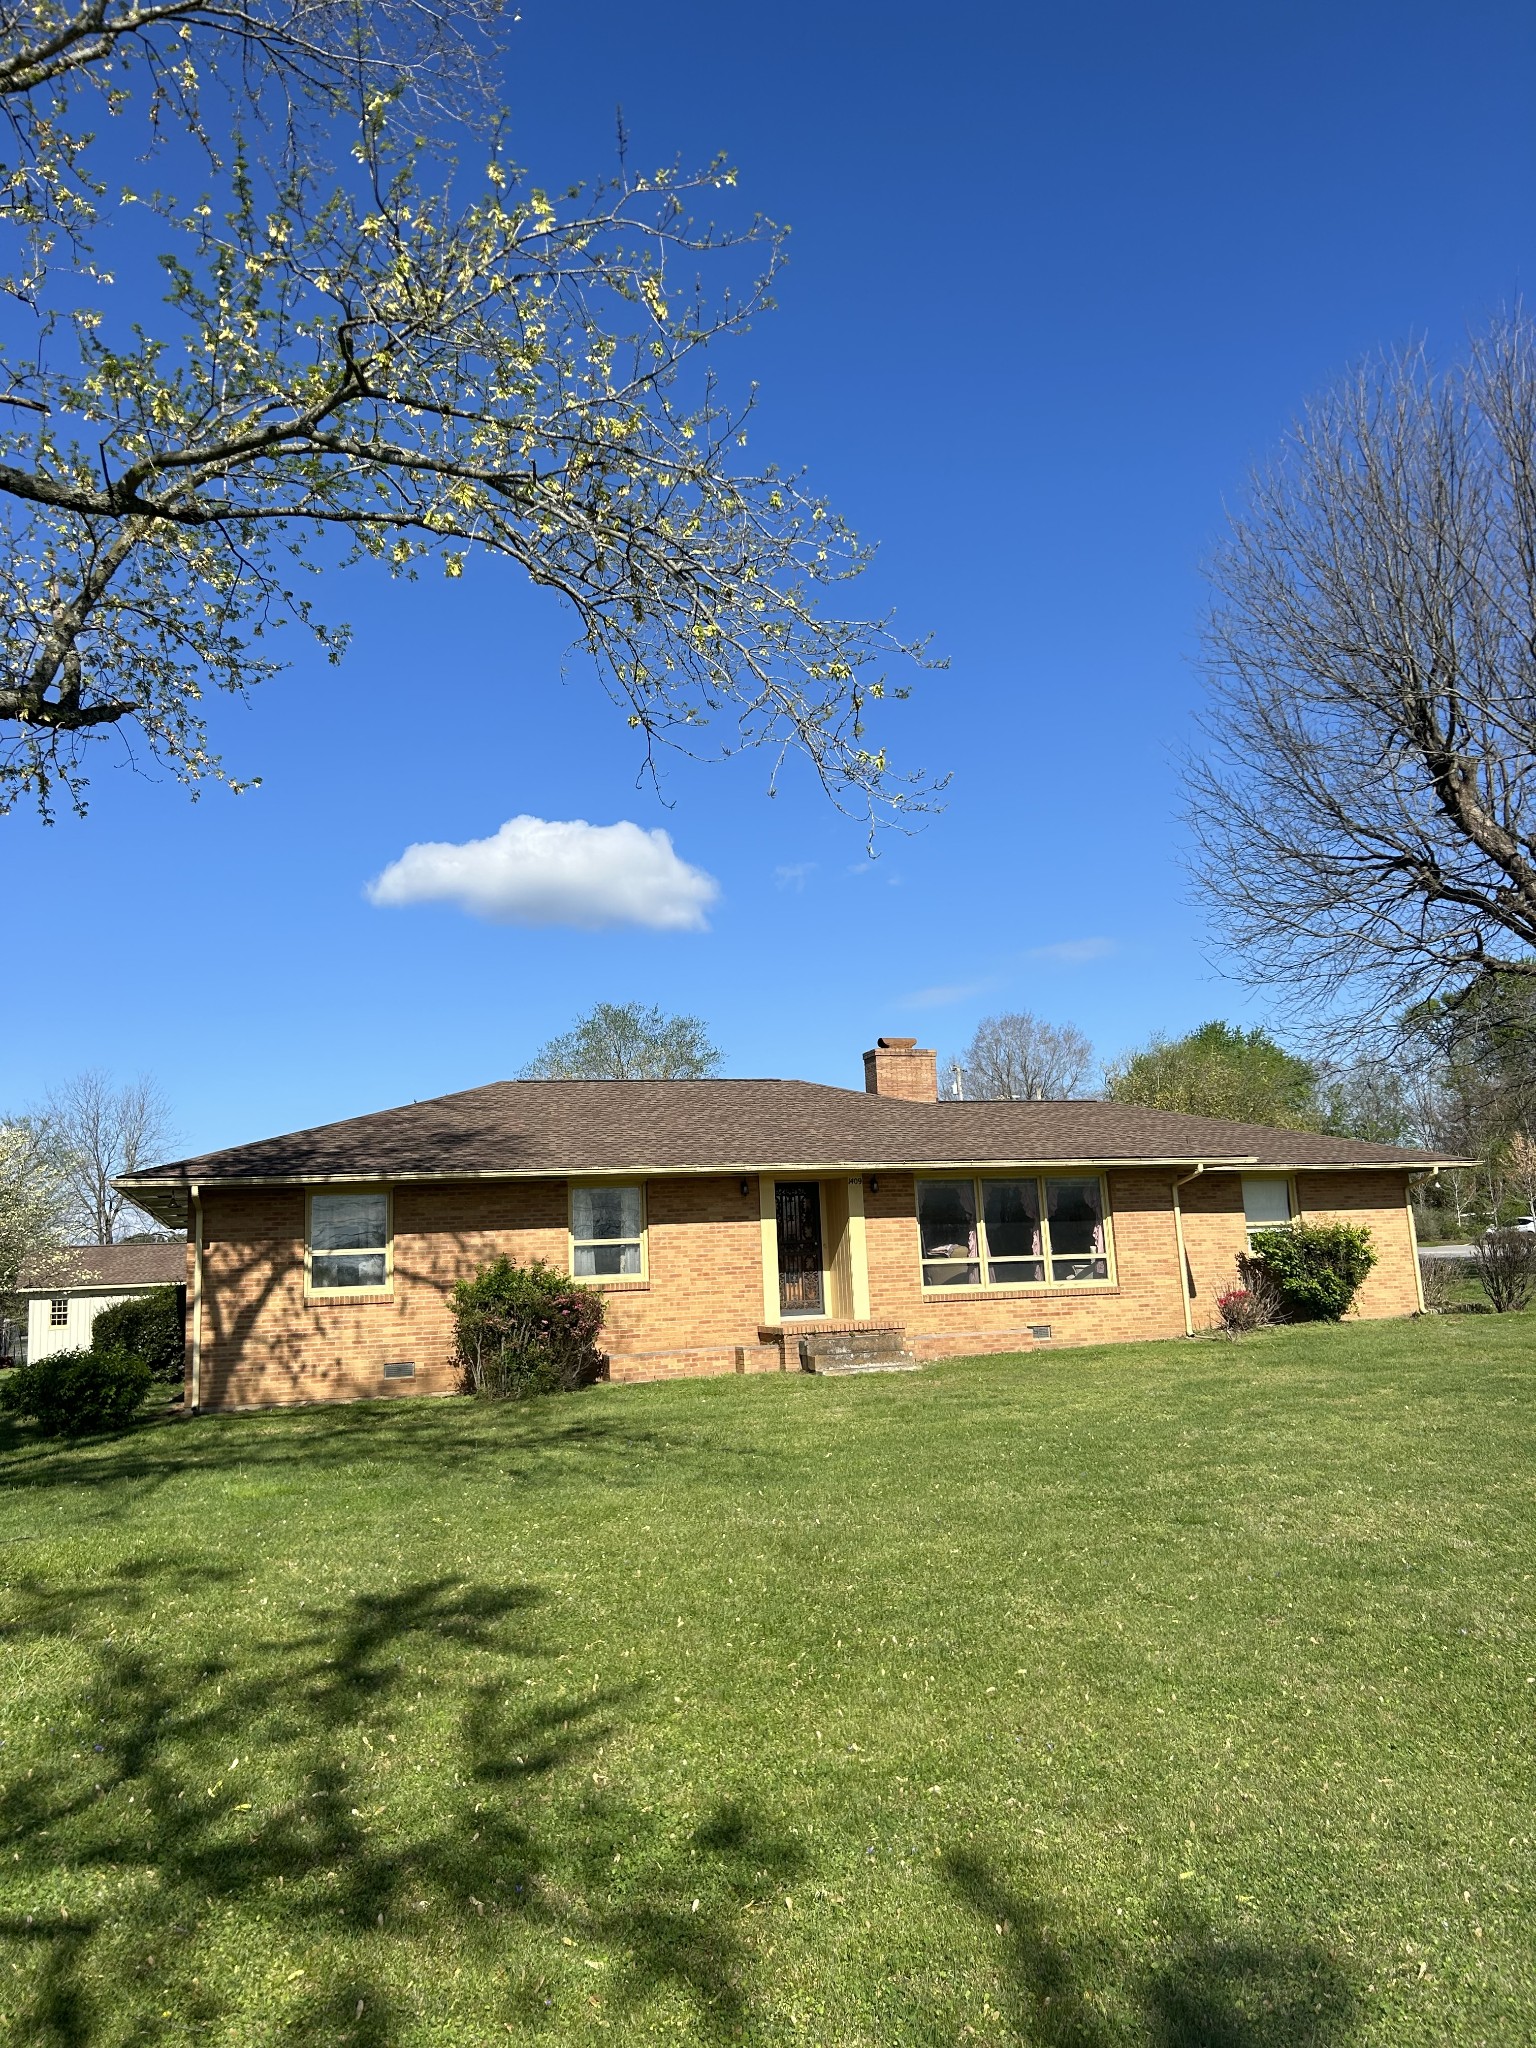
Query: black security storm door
x,y
798,1203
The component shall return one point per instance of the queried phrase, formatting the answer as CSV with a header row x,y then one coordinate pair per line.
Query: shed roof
x,y
126,1266
530,1129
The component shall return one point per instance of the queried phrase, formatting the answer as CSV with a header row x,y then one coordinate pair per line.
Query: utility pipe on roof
x,y
1178,1228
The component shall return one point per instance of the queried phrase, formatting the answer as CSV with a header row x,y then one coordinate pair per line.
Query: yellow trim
x,y
356,1187
983,1256
607,1180
1185,1276
858,1250
836,1269
1413,1242
769,1214
197,1299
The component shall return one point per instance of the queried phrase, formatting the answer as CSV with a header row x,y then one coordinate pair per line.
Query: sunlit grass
x,y
1174,1694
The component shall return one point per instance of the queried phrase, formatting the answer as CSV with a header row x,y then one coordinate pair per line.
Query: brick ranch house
x,y
744,1226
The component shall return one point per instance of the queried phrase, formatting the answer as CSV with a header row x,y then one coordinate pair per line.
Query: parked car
x,y
1526,1223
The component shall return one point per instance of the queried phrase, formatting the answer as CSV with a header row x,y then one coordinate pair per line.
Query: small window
x,y
58,1312
607,1233
348,1242
1266,1202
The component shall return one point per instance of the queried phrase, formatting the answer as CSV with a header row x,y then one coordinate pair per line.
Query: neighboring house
x,y
744,1226
66,1295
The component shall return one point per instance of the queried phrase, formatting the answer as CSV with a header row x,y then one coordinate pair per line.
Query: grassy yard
x,y
1179,1696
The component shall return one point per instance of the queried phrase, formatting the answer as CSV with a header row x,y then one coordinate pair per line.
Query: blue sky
x,y
1057,277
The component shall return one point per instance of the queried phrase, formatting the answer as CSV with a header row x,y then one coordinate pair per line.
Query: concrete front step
x,y
870,1348
827,1371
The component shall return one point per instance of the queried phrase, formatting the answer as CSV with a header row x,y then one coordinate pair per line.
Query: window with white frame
x,y
58,1312
1266,1202
1019,1231
607,1233
348,1241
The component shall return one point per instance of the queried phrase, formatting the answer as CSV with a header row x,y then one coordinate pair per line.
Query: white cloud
x,y
944,992
556,871
1074,950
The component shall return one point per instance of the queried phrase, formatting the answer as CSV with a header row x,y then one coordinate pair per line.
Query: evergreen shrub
x,y
149,1326
77,1393
1316,1268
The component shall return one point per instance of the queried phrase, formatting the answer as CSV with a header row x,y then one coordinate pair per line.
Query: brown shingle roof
x,y
563,1127
106,1265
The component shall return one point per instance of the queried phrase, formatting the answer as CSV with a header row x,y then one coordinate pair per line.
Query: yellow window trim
x,y
362,1187
964,1291
607,1180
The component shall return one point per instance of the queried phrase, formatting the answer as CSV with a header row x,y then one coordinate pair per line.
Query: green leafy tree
x,y
1220,1070
380,358
627,1042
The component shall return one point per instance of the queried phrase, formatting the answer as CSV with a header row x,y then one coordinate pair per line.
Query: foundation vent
x,y
1040,1332
401,1369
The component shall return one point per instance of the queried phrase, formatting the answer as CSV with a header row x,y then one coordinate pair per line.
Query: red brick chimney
x,y
900,1067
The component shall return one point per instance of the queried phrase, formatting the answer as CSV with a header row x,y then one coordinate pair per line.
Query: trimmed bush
x,y
526,1330
1316,1268
75,1393
148,1326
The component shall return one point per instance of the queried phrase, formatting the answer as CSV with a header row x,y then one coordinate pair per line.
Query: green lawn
x,y
1174,1695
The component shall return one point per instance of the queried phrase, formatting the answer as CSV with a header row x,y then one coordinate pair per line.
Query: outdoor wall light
x,y
874,1183
746,1187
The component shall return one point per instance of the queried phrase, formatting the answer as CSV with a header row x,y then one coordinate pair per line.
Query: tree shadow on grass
x,y
346,1815
522,1444
1209,1990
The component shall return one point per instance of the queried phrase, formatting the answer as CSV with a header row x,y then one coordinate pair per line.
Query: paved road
x,y
1445,1251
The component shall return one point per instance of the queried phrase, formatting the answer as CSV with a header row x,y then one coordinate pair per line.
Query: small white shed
x,y
65,1297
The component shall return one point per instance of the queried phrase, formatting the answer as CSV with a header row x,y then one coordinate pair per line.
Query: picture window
x,y
1019,1231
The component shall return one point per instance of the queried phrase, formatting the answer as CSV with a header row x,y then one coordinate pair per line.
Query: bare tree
x,y
1366,807
100,1131
1018,1057
627,1042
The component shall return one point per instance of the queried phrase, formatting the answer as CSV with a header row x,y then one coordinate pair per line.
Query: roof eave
x,y
178,1187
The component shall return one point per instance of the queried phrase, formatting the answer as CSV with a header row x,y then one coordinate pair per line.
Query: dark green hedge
x,y
73,1393
149,1326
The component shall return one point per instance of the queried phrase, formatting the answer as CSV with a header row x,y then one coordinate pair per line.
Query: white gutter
x,y
1178,1231
197,1298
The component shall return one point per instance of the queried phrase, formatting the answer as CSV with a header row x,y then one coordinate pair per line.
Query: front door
x,y
798,1203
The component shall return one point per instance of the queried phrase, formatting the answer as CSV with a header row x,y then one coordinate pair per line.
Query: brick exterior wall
x,y
699,1309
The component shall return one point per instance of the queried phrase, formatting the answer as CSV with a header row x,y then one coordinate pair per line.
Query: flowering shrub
x,y
1243,1309
526,1330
